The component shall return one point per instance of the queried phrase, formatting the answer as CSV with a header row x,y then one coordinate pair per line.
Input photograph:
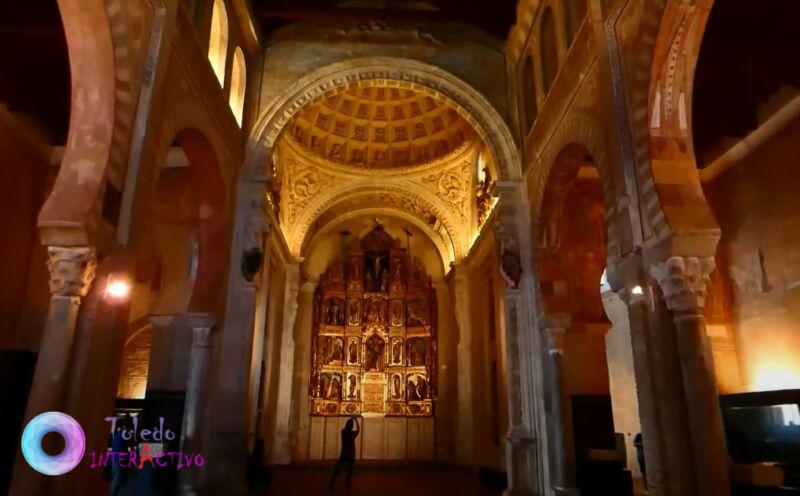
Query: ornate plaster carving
x,y
683,281
72,270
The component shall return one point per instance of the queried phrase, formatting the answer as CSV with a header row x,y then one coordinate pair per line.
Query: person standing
x,y
347,456
639,445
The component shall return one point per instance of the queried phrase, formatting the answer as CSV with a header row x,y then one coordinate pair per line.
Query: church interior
x,y
525,247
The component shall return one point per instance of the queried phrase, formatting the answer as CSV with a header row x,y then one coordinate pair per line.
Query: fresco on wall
x,y
374,334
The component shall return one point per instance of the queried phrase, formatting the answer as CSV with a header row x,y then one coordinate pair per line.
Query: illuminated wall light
x,y
637,290
118,289
774,377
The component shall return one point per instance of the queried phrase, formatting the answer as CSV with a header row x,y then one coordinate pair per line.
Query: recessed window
x,y
238,84
218,41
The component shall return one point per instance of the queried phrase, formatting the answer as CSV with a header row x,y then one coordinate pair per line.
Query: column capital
x,y
555,340
72,270
683,280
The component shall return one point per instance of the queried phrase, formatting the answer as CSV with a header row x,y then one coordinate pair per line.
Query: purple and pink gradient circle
x,y
74,440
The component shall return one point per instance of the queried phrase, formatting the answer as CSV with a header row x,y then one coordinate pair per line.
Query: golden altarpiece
x,y
374,337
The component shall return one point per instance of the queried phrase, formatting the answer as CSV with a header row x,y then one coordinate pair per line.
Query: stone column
x,y
196,396
683,281
561,426
521,455
464,363
281,448
72,271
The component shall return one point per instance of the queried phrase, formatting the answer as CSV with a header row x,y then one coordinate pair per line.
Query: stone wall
x,y
758,209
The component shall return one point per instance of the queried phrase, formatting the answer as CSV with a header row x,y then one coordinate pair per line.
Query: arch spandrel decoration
x,y
374,334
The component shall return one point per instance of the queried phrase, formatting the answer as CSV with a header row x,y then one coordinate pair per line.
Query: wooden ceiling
x,y
495,17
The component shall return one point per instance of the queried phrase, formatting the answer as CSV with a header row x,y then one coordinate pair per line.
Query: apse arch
x,y
419,206
404,73
445,250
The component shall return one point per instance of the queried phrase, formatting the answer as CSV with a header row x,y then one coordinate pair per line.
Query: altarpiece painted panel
x,y
374,334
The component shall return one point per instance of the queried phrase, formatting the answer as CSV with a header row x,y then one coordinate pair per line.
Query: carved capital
x,y
683,281
72,270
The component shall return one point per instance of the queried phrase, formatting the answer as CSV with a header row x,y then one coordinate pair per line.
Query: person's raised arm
x,y
358,427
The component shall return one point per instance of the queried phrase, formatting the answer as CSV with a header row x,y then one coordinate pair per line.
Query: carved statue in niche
x,y
375,311
373,353
397,391
355,269
352,351
334,312
352,387
416,387
417,312
416,352
324,384
396,313
397,351
484,196
335,389
354,312
337,353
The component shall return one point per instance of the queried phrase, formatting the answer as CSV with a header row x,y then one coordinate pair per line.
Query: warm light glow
x,y
118,289
776,376
637,290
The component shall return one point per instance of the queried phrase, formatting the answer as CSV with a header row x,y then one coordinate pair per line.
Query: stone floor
x,y
379,481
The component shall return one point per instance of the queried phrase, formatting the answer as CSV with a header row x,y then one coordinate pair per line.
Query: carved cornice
x,y
683,280
72,270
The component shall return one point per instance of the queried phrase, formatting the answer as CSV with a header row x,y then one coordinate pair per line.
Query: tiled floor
x,y
379,481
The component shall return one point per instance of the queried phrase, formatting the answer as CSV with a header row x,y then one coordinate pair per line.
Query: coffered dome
x,y
379,126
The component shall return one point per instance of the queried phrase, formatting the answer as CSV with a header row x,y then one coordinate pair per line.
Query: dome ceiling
x,y
377,126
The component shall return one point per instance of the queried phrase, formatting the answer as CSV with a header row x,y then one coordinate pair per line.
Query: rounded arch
x,y
374,195
190,249
428,79
218,40
666,52
444,250
576,129
64,218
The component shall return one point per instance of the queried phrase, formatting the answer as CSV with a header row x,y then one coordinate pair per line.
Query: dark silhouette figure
x,y
638,443
348,454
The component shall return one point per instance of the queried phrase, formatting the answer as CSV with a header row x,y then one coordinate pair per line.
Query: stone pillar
x,y
72,270
561,424
281,447
521,447
196,395
683,281
464,362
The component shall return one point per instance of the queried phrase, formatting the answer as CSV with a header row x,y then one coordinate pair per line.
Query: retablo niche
x,y
374,333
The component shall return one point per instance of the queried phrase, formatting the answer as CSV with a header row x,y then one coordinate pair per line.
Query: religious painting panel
x,y
396,313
